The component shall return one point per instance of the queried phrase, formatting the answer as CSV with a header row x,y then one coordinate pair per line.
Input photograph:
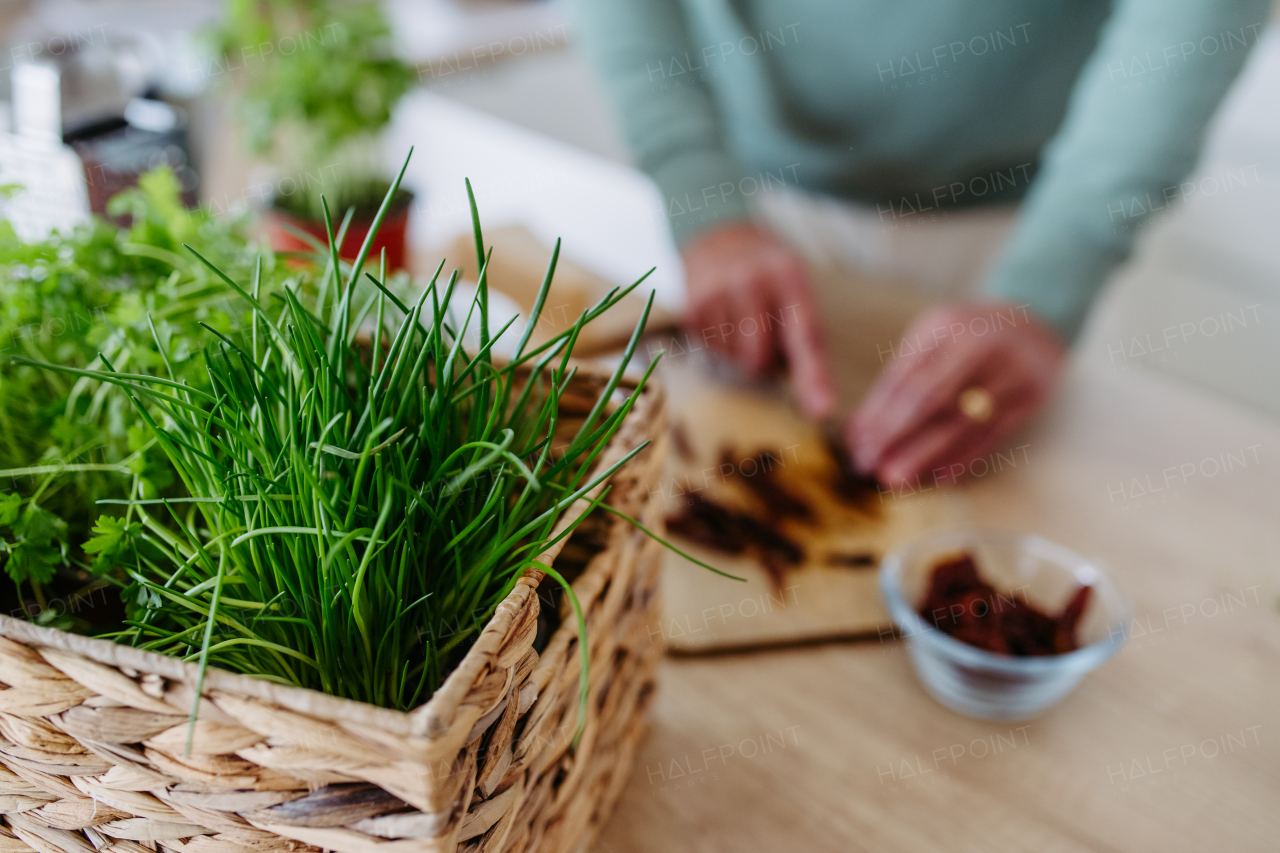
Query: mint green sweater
x,y
1093,111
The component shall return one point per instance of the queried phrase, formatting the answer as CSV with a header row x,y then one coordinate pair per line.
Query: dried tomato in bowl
x,y
962,605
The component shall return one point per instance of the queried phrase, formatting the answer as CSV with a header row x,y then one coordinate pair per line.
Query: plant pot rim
x,y
400,202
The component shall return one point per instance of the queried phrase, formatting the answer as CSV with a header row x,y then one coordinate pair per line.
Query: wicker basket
x,y
92,734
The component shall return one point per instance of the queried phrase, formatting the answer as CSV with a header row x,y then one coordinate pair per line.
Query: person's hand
x,y
996,361
749,298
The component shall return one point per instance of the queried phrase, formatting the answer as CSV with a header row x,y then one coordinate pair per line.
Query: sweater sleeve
x,y
649,64
1132,131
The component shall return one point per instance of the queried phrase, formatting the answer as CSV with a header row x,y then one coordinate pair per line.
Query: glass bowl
x,y
984,684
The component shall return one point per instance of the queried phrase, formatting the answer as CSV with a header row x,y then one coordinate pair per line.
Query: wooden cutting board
x,y
731,438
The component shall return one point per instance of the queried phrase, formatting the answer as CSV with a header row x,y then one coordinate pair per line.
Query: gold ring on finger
x,y
976,404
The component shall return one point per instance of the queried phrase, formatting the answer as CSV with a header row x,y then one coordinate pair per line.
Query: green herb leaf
x,y
39,545
113,539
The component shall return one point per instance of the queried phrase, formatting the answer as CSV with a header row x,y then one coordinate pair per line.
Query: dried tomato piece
x,y
1065,640
962,605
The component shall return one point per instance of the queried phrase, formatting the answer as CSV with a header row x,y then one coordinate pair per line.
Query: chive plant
x,y
363,490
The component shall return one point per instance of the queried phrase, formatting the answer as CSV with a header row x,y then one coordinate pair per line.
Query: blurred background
x,y
494,91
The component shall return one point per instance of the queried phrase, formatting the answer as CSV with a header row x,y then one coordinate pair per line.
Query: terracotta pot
x,y
392,236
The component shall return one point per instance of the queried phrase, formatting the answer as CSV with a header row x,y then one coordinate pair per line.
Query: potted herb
x,y
335,632
317,80
369,495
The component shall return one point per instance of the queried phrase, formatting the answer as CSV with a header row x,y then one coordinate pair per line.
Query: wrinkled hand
x,y
749,298
910,424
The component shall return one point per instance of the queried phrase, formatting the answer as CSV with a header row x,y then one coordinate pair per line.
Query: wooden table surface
x,y
1172,745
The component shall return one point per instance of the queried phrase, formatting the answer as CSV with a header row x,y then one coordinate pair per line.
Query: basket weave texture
x,y
93,734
